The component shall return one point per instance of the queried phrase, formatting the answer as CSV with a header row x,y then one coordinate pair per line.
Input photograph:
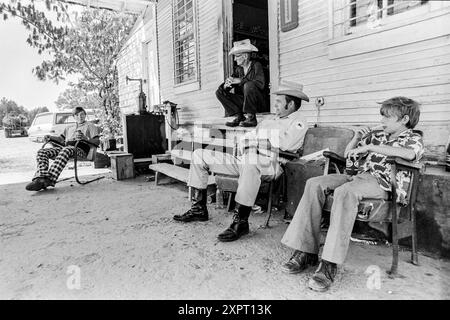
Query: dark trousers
x,y
251,101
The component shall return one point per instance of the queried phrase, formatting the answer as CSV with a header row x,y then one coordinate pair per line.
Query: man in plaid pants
x,y
82,130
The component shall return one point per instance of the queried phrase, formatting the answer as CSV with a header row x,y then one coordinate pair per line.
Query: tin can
x,y
352,166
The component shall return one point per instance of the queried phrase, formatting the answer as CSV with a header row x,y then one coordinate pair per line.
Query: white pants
x,y
250,168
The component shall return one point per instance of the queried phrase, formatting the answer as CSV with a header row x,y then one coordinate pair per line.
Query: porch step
x,y
176,172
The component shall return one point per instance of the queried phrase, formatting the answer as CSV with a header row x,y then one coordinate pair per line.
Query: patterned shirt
x,y
375,163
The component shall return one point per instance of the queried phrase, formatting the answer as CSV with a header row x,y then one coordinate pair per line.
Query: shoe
x,y
299,262
249,122
198,210
38,184
192,215
323,277
237,229
236,121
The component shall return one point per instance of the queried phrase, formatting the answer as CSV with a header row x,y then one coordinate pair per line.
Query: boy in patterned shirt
x,y
397,139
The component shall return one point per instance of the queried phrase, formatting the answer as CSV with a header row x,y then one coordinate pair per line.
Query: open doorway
x,y
251,21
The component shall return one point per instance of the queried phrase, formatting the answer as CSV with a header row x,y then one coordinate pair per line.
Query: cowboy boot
x,y
240,117
198,210
250,121
238,227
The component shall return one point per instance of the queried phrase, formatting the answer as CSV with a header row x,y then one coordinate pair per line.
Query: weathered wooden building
x,y
349,54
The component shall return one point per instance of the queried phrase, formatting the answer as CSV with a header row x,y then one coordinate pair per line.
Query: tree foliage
x,y
76,97
87,44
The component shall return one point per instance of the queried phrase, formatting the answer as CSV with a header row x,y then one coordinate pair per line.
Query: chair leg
x,y
269,205
414,255
394,268
231,203
76,174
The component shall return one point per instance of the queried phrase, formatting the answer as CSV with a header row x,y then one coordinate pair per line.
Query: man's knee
x,y
220,92
314,183
250,86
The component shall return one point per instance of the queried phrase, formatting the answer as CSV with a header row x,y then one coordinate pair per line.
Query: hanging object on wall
x,y
289,15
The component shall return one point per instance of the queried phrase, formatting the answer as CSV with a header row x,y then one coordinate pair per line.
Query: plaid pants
x,y
60,155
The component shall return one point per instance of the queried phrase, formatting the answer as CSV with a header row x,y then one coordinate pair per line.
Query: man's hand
x,y
47,138
80,136
361,132
353,153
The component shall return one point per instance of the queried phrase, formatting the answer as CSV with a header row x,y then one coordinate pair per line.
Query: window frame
x,y
192,84
368,40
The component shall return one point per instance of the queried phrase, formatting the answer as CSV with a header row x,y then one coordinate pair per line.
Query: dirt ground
x,y
117,240
121,236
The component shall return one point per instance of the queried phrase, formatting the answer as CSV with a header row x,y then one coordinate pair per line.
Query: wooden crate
x,y
122,166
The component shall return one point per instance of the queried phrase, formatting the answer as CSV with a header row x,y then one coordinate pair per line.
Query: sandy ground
x,y
121,236
117,240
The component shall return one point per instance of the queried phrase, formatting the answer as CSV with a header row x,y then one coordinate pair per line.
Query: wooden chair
x,y
89,157
402,218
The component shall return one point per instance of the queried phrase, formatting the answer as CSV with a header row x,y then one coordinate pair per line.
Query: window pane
x,y
184,41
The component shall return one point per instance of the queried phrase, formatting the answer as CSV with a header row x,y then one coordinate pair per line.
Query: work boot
x,y
300,261
250,121
38,184
240,117
198,210
238,227
323,277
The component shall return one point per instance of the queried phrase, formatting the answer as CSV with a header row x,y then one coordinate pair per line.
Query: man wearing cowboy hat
x,y
259,158
248,82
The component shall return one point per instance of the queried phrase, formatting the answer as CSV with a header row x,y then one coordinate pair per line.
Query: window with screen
x,y
351,16
185,41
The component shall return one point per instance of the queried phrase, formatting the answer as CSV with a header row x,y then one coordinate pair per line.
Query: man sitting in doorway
x,y
284,131
399,116
248,82
81,130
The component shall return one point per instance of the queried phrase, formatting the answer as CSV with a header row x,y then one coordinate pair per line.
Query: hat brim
x,y
294,93
242,50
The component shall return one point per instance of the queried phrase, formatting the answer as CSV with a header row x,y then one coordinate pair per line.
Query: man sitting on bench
x,y
82,130
285,130
397,139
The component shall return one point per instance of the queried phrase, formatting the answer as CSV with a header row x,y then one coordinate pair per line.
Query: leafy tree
x,y
75,97
87,45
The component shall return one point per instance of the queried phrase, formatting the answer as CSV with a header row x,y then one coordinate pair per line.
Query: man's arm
x,y
405,153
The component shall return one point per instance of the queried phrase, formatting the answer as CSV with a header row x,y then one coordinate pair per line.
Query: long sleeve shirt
x,y
255,73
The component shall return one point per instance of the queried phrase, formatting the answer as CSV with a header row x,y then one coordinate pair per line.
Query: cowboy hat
x,y
293,89
242,46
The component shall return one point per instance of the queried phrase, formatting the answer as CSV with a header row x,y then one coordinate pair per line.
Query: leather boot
x,y
198,210
240,117
238,227
250,121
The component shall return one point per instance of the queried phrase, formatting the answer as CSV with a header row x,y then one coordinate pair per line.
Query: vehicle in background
x,y
53,123
15,124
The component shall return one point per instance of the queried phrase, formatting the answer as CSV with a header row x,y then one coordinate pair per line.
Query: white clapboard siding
x,y
352,84
200,103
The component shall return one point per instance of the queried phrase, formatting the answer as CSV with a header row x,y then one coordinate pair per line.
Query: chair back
x,y
334,138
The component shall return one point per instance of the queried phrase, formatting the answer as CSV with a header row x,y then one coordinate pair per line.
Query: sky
x,y
17,59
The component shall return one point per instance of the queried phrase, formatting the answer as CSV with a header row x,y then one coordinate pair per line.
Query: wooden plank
x,y
176,172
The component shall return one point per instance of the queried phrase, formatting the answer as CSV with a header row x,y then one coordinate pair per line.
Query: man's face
x,y
281,107
240,58
80,117
393,125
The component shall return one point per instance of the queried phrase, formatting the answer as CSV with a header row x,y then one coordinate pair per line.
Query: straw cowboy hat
x,y
242,46
294,89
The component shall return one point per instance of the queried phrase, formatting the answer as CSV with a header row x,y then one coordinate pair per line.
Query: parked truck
x,y
14,124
